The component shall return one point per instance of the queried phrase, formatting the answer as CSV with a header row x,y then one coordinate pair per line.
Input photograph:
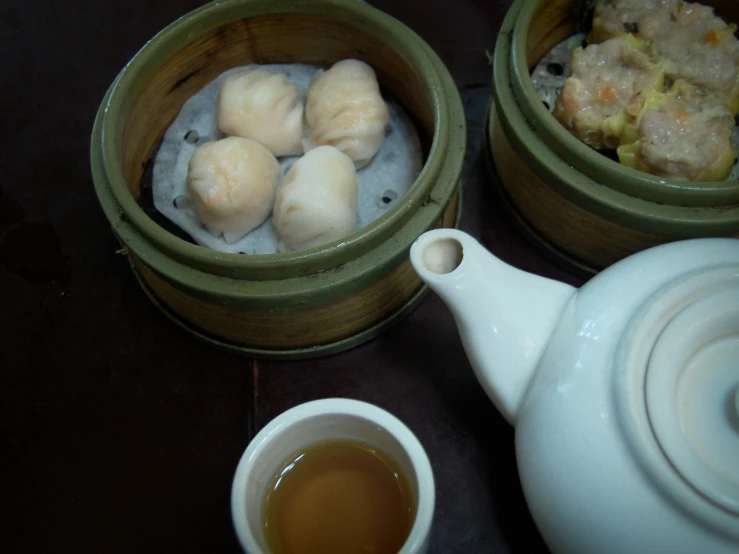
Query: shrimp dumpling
x,y
232,183
345,109
263,106
317,201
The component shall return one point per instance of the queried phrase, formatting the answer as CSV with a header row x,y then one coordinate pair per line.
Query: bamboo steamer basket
x,y
291,305
580,207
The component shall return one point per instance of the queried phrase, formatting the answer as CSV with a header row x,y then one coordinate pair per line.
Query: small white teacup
x,y
316,422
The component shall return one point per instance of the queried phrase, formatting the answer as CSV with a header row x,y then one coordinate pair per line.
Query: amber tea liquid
x,y
338,497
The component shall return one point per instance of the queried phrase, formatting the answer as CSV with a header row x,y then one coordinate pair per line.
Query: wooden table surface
x,y
120,433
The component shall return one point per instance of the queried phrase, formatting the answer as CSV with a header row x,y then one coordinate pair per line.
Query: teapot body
x,y
593,473
624,394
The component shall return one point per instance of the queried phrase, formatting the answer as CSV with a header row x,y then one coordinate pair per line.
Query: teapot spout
x,y
505,316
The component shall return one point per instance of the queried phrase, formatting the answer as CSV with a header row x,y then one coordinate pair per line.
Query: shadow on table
x,y
480,505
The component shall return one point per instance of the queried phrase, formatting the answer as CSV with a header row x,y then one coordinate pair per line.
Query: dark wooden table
x,y
120,433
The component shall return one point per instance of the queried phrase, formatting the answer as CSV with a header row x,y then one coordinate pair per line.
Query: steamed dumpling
x,y
344,109
681,134
263,106
232,183
606,88
317,201
695,44
644,18
701,48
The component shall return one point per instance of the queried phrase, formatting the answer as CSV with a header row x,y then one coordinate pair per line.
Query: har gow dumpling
x,y
345,109
317,201
232,183
263,106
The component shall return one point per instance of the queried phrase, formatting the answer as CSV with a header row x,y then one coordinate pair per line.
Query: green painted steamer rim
x,y
296,353
264,281
561,176
600,168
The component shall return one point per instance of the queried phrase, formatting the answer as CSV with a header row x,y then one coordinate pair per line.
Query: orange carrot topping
x,y
714,37
680,115
607,94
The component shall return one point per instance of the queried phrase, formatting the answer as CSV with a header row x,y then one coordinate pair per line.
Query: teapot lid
x,y
692,395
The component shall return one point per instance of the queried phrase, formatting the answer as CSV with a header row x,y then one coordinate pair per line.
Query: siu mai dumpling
x,y
345,109
317,201
644,18
232,183
262,106
606,88
681,134
701,48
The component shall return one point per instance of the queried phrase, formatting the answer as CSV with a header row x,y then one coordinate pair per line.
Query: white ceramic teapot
x,y
624,393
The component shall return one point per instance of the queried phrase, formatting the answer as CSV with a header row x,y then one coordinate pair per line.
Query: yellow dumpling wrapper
x,y
612,129
734,104
652,100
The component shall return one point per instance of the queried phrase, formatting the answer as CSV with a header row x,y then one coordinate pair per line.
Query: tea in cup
x,y
333,476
